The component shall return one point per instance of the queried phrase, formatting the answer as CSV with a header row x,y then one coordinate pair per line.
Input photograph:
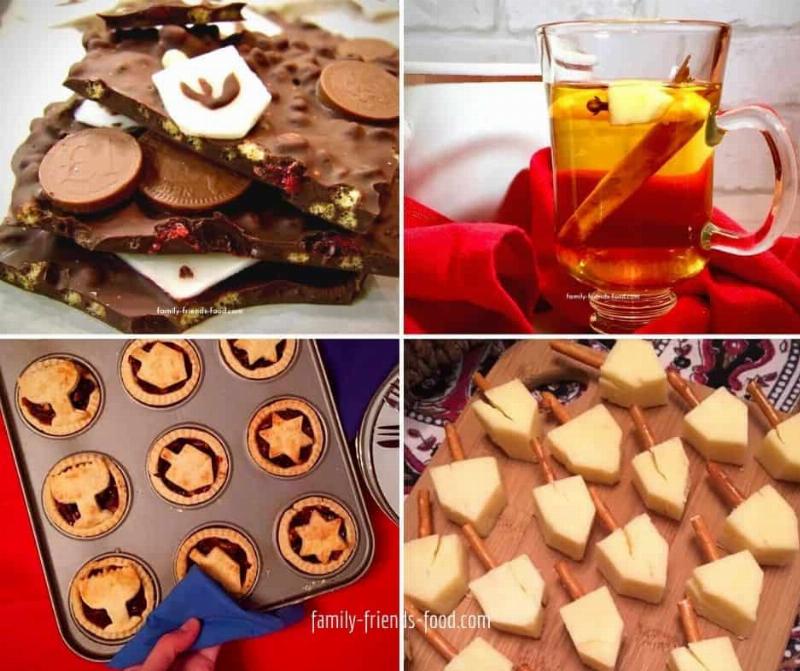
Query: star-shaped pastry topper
x,y
286,437
259,349
190,469
162,366
320,537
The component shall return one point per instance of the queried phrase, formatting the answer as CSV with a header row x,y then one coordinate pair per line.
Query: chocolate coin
x,y
366,48
91,170
177,179
362,90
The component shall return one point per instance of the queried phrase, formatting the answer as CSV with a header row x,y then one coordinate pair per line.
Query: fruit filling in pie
x,y
112,597
317,535
223,554
188,465
58,396
160,372
85,495
286,437
258,359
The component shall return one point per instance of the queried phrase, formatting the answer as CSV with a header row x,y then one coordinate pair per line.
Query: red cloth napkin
x,y
489,277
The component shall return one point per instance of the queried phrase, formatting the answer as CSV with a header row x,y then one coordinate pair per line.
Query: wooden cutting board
x,y
650,631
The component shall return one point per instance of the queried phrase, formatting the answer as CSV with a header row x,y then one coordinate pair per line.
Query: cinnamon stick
x,y
424,519
569,581
559,411
765,406
724,486
544,462
682,387
479,547
584,355
603,511
481,382
707,546
454,442
642,427
436,640
691,628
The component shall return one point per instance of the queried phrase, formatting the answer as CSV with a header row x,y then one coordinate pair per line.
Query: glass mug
x,y
634,120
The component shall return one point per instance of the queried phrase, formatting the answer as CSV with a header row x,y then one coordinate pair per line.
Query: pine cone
x,y
429,360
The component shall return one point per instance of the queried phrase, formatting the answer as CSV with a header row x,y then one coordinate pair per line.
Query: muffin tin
x,y
252,500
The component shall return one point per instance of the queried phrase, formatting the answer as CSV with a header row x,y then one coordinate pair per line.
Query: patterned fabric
x,y
715,363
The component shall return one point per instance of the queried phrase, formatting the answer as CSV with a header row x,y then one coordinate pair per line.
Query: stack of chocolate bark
x,y
199,170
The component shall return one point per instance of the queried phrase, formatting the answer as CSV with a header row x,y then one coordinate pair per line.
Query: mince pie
x,y
258,359
111,597
188,466
317,535
286,437
85,495
222,553
160,372
58,396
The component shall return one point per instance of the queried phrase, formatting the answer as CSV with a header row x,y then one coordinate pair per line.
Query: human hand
x,y
170,653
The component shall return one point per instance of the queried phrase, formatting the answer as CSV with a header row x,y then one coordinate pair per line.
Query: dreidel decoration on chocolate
x,y
511,594
779,451
477,656
725,590
435,568
630,374
711,654
469,490
660,471
716,426
763,523
593,622
589,445
634,558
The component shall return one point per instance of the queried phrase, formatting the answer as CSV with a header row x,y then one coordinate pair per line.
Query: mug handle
x,y
769,124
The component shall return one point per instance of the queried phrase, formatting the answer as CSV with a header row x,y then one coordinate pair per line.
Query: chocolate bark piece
x,y
325,161
259,224
150,13
105,287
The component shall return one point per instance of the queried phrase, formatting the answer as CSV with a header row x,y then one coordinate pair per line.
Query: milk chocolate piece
x,y
178,179
105,287
366,48
258,224
325,162
91,170
360,90
148,13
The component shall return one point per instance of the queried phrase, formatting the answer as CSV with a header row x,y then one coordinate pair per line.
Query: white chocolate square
x,y
661,476
435,572
565,512
717,428
779,452
711,654
595,627
633,375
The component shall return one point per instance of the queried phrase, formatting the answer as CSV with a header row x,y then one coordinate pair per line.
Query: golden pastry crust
x,y
50,384
259,350
162,378
77,480
217,563
192,472
319,536
292,450
109,584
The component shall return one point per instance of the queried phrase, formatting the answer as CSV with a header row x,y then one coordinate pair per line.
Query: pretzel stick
x,y
642,428
436,640
559,411
481,382
766,407
682,387
424,519
479,547
724,486
454,442
691,629
568,580
707,546
603,511
544,462
584,355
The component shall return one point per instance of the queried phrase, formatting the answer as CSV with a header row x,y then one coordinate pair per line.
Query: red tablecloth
x,y
29,638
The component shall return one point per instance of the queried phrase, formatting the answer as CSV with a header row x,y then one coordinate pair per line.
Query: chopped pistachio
x,y
252,152
298,257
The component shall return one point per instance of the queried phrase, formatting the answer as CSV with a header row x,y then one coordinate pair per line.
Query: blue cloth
x,y
223,620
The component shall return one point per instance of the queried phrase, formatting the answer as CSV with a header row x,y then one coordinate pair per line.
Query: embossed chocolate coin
x,y
362,90
366,48
91,170
177,179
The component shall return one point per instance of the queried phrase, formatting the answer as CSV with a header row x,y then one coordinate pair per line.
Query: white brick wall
x,y
763,65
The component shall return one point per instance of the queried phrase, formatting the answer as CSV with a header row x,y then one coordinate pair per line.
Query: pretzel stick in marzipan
x,y
642,427
764,405
454,442
425,519
682,387
724,486
584,355
707,546
434,638
691,629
